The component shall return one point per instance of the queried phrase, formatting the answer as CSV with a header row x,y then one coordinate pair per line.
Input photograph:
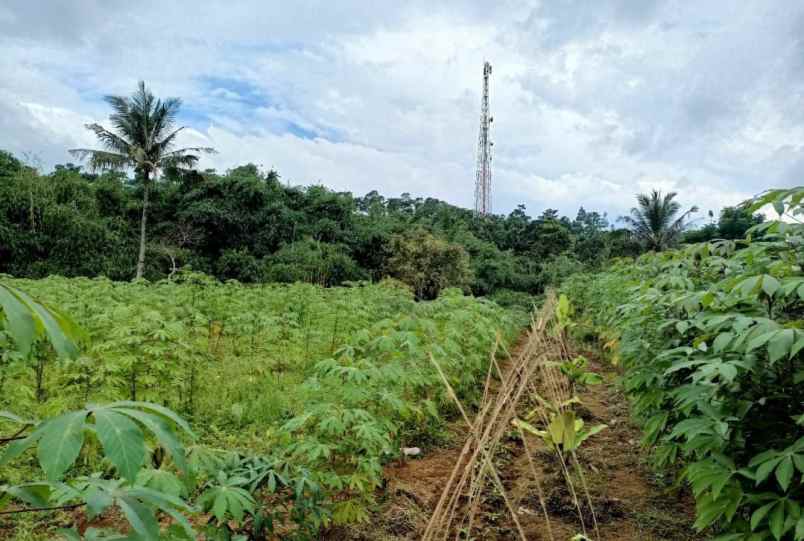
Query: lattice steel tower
x,y
484,144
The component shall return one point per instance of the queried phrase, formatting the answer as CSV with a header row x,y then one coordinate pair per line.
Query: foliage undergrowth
x,y
297,394
710,339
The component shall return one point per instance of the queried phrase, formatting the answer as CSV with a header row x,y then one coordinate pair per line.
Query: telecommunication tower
x,y
484,144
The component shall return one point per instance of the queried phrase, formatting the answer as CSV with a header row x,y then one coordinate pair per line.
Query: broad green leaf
x,y
97,501
19,320
69,534
60,443
776,520
760,340
60,330
159,410
122,440
759,514
161,481
141,518
781,344
164,434
158,499
722,341
765,469
221,505
770,285
35,494
784,472
748,285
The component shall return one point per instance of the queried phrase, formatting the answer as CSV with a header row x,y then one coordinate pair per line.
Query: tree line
x,y
245,224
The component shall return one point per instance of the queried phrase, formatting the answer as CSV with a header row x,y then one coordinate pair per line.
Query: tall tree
x,y
656,222
142,139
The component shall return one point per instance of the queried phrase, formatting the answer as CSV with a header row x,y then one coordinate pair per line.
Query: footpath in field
x,y
499,482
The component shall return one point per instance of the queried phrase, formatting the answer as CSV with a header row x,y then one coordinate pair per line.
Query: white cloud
x,y
592,102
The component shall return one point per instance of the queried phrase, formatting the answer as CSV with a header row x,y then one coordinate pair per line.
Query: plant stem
x,y
39,509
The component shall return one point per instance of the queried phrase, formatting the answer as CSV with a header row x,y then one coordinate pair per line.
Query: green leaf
x,y
19,320
35,494
764,470
781,344
97,500
776,521
161,481
220,506
164,434
760,340
141,518
159,410
770,285
759,514
58,328
749,285
784,472
122,440
722,341
61,443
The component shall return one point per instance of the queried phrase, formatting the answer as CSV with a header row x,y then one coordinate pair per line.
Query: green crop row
x,y
710,338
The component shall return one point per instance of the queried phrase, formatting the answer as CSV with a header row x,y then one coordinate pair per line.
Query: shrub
x,y
313,262
239,265
428,264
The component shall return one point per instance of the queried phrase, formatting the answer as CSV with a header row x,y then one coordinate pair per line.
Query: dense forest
x,y
249,226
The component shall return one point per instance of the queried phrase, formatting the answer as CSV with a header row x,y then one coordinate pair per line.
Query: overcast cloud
x,y
592,101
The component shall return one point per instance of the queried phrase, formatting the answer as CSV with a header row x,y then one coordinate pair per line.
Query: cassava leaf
x,y
61,441
122,440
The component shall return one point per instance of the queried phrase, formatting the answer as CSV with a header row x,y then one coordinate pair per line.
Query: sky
x,y
593,102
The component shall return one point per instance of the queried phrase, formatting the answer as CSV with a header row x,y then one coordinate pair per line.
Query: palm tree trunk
x,y
143,221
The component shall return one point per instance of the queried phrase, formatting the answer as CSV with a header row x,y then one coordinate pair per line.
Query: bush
x,y
239,265
313,262
428,264
508,298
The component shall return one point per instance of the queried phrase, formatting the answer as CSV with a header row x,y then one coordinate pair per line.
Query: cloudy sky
x,y
592,101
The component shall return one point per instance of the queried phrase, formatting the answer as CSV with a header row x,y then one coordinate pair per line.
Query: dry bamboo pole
x,y
475,465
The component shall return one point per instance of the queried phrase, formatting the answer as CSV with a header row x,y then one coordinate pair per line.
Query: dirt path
x,y
630,502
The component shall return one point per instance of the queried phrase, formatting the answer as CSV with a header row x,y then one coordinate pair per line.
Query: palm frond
x,y
164,117
187,150
182,163
100,160
163,145
109,139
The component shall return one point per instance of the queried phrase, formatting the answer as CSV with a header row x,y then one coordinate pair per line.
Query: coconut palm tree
x,y
656,222
142,139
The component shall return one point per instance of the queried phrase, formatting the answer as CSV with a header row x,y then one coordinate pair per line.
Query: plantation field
x,y
297,394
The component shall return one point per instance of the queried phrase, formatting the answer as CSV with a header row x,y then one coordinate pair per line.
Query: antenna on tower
x,y
484,144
